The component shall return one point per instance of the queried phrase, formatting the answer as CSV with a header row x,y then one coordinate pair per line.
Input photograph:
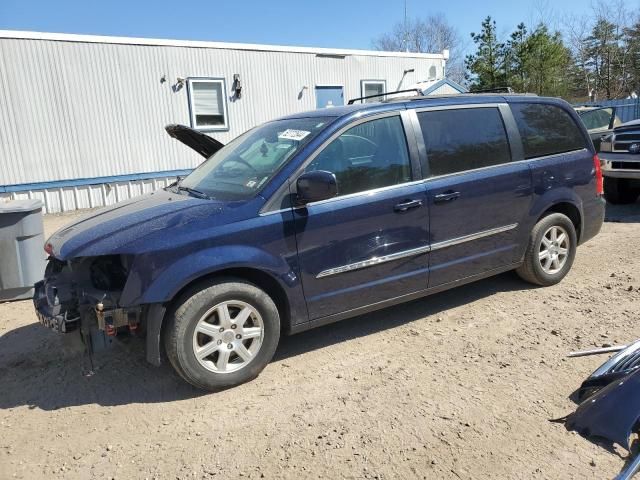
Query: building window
x,y
208,104
372,87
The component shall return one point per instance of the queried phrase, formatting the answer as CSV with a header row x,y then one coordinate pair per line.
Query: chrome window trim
x,y
345,197
364,193
414,251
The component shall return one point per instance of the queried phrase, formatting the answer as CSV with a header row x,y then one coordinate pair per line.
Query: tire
x,y
211,359
619,191
541,269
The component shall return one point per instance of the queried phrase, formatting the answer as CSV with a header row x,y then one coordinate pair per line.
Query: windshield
x,y
243,166
597,119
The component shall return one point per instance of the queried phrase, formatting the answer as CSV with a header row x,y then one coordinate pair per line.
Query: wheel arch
x,y
261,279
157,313
568,209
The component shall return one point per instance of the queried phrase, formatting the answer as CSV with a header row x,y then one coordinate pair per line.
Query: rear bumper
x,y
593,218
51,315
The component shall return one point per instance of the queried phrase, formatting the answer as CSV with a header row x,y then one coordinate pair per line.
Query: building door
x,y
329,96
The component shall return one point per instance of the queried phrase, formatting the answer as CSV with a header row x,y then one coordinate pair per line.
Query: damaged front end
x,y
83,294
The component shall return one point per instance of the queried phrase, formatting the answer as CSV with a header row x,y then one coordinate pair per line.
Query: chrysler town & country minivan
x,y
325,215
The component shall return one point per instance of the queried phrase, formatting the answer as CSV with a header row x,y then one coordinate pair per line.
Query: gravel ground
x,y
459,385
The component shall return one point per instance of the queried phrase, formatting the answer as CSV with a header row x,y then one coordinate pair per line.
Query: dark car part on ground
x,y
618,366
610,402
611,414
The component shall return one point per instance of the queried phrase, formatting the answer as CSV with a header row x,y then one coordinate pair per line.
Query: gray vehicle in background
x,y
620,161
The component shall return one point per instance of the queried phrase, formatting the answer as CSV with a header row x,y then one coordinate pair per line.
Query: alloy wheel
x,y
554,249
228,336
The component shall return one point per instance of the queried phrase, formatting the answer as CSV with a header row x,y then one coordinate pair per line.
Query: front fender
x,y
149,282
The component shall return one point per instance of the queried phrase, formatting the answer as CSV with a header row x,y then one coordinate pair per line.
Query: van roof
x,y
401,103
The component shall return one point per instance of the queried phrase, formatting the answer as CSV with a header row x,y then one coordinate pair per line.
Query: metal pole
x,y
597,351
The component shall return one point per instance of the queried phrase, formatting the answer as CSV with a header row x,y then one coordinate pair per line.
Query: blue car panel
x,y
494,204
343,245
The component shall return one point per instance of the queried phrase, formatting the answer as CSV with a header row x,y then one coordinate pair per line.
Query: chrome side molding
x,y
471,237
414,251
374,261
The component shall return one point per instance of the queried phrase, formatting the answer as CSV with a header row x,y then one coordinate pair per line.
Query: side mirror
x,y
315,186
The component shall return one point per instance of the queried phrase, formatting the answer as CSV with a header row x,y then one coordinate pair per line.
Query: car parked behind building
x,y
326,215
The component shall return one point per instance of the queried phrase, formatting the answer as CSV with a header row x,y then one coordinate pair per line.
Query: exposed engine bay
x,y
83,294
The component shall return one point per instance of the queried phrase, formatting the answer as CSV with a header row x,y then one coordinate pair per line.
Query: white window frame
x,y
192,114
364,83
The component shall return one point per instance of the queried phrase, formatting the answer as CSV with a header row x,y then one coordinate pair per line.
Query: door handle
x,y
446,197
404,206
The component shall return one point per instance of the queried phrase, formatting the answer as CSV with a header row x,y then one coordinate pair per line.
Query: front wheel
x,y
550,252
222,334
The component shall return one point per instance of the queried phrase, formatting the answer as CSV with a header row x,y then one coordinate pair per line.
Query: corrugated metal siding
x,y
65,199
80,110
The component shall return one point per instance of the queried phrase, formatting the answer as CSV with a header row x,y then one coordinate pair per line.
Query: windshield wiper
x,y
194,192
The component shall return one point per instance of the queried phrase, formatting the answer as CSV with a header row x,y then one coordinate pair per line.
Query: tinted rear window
x,y
464,139
546,129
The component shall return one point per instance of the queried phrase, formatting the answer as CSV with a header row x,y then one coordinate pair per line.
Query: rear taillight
x,y
599,179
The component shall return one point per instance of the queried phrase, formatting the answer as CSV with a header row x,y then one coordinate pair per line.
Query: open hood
x,y
201,143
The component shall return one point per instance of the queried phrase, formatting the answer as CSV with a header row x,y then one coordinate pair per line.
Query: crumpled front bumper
x,y
49,311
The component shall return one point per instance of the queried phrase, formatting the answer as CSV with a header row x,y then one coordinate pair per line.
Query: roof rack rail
x,y
494,90
410,90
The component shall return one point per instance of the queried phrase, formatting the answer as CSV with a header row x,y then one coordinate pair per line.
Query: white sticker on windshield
x,y
290,134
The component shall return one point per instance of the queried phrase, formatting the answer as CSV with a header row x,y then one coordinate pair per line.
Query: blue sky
x,y
328,23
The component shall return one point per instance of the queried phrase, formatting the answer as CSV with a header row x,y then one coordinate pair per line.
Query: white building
x,y
83,116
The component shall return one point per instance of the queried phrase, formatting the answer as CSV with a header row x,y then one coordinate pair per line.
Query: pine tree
x,y
486,66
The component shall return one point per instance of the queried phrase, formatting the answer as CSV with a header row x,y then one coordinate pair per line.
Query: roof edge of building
x,y
72,37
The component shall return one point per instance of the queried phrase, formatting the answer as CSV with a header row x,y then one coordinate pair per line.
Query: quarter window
x,y
372,87
207,104
463,139
370,155
546,129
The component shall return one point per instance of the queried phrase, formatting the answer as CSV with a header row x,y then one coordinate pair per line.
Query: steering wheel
x,y
239,159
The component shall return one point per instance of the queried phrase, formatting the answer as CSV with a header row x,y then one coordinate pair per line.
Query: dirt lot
x,y
459,385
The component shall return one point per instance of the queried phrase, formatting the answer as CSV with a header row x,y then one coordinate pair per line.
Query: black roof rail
x,y
411,90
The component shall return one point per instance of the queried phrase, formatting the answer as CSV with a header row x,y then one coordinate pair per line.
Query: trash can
x,y
22,258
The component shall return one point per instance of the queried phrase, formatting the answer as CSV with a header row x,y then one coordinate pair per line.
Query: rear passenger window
x,y
370,155
546,129
464,139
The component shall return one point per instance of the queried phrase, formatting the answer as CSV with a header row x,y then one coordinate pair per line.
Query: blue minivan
x,y
325,215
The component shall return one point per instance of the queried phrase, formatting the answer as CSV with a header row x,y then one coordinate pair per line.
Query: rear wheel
x,y
620,190
222,334
550,252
